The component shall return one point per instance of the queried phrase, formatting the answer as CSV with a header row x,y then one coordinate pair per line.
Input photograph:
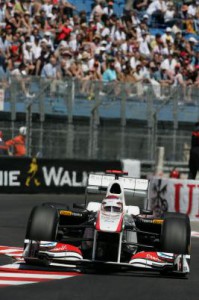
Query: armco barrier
x,y
32,175
175,195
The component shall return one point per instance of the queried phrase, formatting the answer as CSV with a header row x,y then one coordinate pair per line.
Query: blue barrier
x,y
134,109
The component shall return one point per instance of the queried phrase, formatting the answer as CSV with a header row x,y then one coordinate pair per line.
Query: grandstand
x,y
29,94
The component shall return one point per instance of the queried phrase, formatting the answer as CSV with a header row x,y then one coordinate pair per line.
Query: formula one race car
x,y
109,233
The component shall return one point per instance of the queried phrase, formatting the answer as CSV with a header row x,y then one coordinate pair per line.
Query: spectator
x,y
98,9
20,6
63,31
189,24
97,21
20,73
153,79
169,63
108,10
76,69
192,8
3,147
44,57
144,47
129,80
110,78
32,32
68,8
179,81
128,5
119,35
110,74
17,145
51,71
36,48
170,15
28,54
190,45
47,37
26,21
165,81
167,37
139,79
2,12
140,6
3,63
196,83
135,20
135,57
194,153
4,42
156,11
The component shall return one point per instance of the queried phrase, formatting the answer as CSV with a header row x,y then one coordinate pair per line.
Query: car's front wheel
x,y
175,234
43,223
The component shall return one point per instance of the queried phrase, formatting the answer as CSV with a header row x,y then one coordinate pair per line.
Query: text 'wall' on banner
x,y
32,175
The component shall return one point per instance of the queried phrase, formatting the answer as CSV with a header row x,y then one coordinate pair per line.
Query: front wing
x,y
64,254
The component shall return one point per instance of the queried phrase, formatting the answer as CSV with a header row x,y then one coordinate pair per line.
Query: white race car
x,y
109,233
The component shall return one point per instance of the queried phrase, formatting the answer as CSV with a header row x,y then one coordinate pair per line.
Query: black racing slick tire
x,y
43,224
176,234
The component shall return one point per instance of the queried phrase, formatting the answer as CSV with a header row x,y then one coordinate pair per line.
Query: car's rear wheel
x,y
43,223
175,234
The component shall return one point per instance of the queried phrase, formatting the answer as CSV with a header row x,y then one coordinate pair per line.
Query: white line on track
x,y
195,234
13,275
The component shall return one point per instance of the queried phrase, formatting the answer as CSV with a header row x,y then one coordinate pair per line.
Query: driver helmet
x,y
112,204
23,130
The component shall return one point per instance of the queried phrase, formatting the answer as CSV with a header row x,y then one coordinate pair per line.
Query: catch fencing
x,y
72,119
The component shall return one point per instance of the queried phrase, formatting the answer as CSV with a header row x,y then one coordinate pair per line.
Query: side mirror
x,y
80,206
146,212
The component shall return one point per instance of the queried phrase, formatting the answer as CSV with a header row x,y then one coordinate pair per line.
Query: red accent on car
x,y
116,172
111,197
119,227
97,227
65,247
147,255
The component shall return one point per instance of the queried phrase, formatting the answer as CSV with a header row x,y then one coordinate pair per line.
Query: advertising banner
x,y
177,195
32,175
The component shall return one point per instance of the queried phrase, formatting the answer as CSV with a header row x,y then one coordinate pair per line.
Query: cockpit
x,y
112,205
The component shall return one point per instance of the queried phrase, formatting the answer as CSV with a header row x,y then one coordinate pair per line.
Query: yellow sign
x,y
33,169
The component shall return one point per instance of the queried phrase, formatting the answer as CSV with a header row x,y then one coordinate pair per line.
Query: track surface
x,y
138,285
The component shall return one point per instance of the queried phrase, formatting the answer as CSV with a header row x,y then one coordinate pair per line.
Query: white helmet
x,y
23,130
112,203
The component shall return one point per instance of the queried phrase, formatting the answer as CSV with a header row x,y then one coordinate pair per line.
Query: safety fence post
x,y
94,122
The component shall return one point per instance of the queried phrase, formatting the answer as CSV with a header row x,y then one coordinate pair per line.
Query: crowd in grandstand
x,y
54,40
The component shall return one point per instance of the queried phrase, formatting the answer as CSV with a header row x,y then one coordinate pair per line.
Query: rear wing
x,y
98,183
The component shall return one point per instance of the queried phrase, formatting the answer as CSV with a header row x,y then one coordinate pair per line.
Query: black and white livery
x,y
110,232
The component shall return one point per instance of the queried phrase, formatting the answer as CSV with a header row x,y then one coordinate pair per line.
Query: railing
x,y
84,119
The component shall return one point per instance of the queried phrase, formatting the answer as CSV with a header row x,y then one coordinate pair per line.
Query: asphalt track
x,y
14,213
